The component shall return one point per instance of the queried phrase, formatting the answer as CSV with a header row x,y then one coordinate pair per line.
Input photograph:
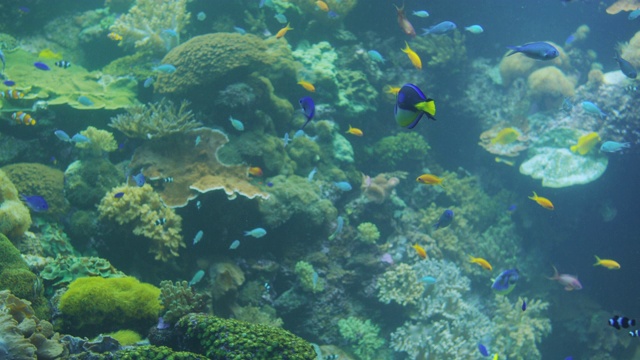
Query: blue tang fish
x,y
506,281
309,109
439,29
412,105
614,146
256,233
36,203
627,69
445,220
536,50
483,350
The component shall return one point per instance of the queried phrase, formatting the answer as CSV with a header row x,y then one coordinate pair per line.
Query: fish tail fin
x,y
407,48
428,107
514,49
555,273
598,260
471,258
573,148
534,196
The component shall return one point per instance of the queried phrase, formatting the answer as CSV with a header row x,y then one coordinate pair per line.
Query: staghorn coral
x,y
64,269
194,169
141,207
153,25
100,141
362,336
38,179
15,216
155,120
368,233
400,285
179,299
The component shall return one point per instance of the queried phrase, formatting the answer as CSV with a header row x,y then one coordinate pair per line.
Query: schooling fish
x,y
544,202
36,203
506,281
343,185
536,50
404,23
586,143
198,237
412,105
621,321
256,233
165,68
413,57
569,282
608,263
614,146
439,29
79,139
445,220
474,29
421,13
309,109
234,245
60,134
627,69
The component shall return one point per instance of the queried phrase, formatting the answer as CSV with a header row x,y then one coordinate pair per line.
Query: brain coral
x,y
549,84
38,179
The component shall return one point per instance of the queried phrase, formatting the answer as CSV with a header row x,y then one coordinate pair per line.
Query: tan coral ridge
x,y
14,214
141,207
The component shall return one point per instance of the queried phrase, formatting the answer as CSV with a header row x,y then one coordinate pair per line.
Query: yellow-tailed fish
x,y
480,261
506,136
354,131
420,251
411,105
504,161
608,263
544,202
586,143
307,85
49,54
430,179
415,59
282,32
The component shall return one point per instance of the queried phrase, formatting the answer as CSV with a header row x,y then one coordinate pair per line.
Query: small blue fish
x,y
506,281
198,140
634,14
239,30
512,208
439,29
524,305
196,278
36,203
201,16
3,60
79,139
592,108
198,237
9,82
332,14
312,173
281,18
314,279
375,56
39,65
269,184
118,195
165,69
234,245
339,226
567,105
309,109
627,69
536,50
237,124
62,135
286,140
298,134
198,205
483,350
570,39
445,220
428,280
85,101
421,13
614,146
343,185
475,29
139,179
256,233
148,82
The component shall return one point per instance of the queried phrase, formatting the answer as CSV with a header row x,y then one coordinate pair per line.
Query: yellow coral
x,y
142,207
15,216
549,85
99,141
400,285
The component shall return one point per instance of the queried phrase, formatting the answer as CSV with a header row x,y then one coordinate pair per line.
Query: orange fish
x,y
322,5
24,118
12,94
420,251
282,32
393,90
429,179
255,171
354,131
544,202
114,36
405,25
307,85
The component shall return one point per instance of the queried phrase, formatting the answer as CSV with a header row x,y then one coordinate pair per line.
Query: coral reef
x,y
64,269
94,304
443,52
15,216
368,232
318,60
126,337
549,85
517,66
86,181
363,337
355,94
100,141
146,352
141,207
512,149
37,179
400,285
194,169
392,152
225,277
179,299
155,120
308,278
265,315
379,188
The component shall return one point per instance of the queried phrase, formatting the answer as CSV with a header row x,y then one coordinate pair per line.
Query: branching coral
x,y
141,207
155,120
368,232
308,277
362,336
179,299
401,285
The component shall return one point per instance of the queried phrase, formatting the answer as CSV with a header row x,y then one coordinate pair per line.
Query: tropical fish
x,y
312,173
322,5
35,202
41,66
430,179
79,138
309,109
415,59
9,82
118,195
343,185
239,30
281,18
412,105
524,304
592,108
165,68
12,94
285,139
167,179
196,277
234,245
586,143
570,39
255,171
445,220
354,131
282,32
391,89
23,118
85,100
420,251
621,321
506,136
237,124
506,281
429,280
256,233
314,279
49,55
62,64
139,179
536,50
480,261
148,82
3,60
483,350
439,29
161,221
569,282
114,36
60,134
339,226
608,263
404,23
634,333
634,14
613,146
375,56
198,204
627,69
504,161
332,14
307,85
421,13
198,237
544,202
474,29
201,16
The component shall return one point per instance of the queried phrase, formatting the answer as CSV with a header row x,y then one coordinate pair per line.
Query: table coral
x,y
64,269
363,337
179,299
141,207
512,149
155,120
194,169
15,216
37,179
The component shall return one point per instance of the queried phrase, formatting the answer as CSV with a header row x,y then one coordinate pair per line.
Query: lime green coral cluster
x,y
368,232
308,277
155,120
362,336
142,207
15,216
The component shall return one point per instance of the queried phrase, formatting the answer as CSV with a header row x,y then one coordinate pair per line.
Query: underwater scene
x,y
319,179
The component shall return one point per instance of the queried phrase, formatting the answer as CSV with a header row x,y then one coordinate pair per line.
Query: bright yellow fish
x,y
420,251
504,161
480,261
608,263
415,59
506,136
49,54
354,131
430,179
544,202
586,143
282,32
322,5
114,36
393,90
307,85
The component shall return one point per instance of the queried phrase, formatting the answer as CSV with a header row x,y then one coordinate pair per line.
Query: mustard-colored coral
x,y
550,85
37,179
15,216
155,120
400,285
141,207
99,141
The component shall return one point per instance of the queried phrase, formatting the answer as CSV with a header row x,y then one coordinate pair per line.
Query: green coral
x,y
65,269
306,275
265,315
15,216
403,148
342,149
368,232
93,305
147,352
155,120
38,179
180,299
355,94
86,181
126,337
53,240
401,285
448,52
318,59
363,337
219,338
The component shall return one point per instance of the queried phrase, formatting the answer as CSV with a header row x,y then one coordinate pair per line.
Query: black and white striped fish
x,y
161,221
621,321
63,64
